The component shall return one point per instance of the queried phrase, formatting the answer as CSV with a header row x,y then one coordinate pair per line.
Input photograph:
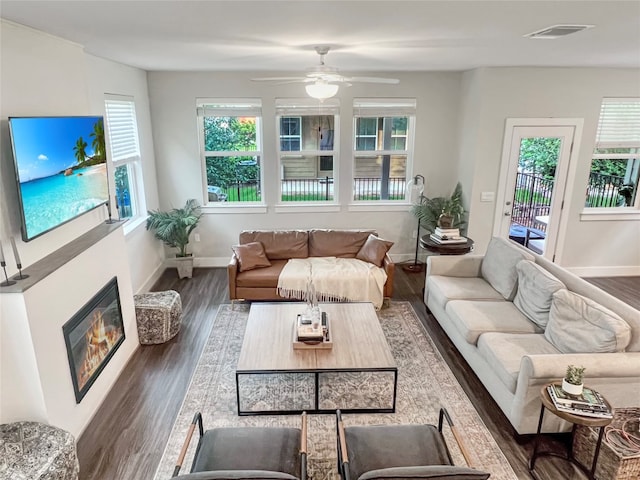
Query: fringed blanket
x,y
334,280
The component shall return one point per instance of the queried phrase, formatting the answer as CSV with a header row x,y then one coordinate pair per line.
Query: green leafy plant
x,y
574,375
174,227
429,210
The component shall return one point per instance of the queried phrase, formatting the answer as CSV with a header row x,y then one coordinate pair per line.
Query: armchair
x,y
246,453
400,452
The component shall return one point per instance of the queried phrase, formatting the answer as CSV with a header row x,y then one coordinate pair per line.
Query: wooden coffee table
x,y
359,345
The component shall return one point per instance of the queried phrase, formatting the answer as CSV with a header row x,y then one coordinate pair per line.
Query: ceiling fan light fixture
x,y
321,89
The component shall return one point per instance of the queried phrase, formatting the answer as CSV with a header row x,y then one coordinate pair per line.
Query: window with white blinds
x,y
122,131
615,165
307,147
382,147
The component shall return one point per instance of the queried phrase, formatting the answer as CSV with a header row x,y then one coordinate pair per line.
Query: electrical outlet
x,y
196,237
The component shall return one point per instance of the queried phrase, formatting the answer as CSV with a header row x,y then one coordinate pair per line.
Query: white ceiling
x,y
364,35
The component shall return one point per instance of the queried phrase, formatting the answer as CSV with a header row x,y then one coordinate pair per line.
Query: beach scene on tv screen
x,y
61,165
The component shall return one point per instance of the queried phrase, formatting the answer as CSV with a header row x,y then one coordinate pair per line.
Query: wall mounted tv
x,y
61,169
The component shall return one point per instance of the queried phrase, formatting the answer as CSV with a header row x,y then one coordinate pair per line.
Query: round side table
x,y
446,249
600,423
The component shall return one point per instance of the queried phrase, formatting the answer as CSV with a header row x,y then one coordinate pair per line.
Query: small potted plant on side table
x,y
174,228
573,380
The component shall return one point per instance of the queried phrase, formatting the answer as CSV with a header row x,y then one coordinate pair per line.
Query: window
x,y
615,165
382,148
231,148
122,127
307,149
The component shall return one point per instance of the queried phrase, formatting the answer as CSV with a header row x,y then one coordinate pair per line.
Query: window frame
x,y
231,107
383,108
130,157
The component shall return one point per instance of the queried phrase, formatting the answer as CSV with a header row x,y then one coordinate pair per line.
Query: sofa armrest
x,y
232,271
598,365
454,265
389,268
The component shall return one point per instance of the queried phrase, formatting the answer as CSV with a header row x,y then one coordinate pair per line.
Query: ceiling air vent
x,y
557,31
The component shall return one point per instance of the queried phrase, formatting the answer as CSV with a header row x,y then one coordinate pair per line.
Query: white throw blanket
x,y
334,279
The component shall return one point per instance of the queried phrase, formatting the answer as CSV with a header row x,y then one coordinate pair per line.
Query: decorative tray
x,y
323,341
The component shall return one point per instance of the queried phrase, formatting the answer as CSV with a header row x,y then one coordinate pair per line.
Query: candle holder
x,y
6,282
20,275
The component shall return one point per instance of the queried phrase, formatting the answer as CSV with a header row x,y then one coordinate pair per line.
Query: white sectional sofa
x,y
519,320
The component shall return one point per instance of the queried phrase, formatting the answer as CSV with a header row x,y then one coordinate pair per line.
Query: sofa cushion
x,y
432,472
535,288
441,289
337,243
473,318
499,266
374,250
579,325
504,352
266,277
250,255
279,244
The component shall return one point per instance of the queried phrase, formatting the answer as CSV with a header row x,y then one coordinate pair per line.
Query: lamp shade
x,y
415,189
320,89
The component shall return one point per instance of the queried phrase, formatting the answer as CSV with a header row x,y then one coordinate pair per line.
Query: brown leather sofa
x,y
281,245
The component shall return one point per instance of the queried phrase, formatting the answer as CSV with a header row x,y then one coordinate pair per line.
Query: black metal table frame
x,y
316,395
569,456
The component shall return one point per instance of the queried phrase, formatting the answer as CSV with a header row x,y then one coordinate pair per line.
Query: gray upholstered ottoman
x,y
158,315
36,451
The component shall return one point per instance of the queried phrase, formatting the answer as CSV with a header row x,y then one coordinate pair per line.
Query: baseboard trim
x,y
632,271
153,278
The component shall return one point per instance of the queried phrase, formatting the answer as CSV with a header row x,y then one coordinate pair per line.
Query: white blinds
x,y
228,107
122,127
307,106
619,125
384,107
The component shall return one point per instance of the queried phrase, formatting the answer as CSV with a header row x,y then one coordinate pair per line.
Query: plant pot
x,y
571,389
185,266
445,221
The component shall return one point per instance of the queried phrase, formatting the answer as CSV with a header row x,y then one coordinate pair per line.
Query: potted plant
x,y
443,212
573,380
173,229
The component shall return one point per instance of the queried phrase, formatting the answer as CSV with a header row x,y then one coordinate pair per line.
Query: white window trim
x,y
230,107
299,108
134,160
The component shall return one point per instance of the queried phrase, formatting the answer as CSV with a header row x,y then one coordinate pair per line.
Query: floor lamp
x,y
415,191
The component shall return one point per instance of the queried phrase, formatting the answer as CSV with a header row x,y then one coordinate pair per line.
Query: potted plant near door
x,y
443,212
173,228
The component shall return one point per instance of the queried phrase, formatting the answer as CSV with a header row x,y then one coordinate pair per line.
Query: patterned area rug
x,y
425,383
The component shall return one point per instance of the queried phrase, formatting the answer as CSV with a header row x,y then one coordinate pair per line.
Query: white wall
x,y
173,100
589,248
45,75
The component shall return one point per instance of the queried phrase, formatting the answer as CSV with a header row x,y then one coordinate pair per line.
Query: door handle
x,y
507,214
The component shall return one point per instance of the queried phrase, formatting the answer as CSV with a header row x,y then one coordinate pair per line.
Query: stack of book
x,y
447,236
589,404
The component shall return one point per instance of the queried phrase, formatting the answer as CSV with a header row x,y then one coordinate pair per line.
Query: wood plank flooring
x,y
126,438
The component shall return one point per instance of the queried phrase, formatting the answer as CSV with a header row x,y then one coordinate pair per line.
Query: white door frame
x,y
510,124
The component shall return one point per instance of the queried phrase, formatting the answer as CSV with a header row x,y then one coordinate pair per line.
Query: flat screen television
x,y
60,164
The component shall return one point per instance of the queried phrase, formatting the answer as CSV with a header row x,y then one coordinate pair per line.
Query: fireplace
x,y
92,337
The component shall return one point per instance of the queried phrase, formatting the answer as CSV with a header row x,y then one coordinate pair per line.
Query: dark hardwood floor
x,y
126,438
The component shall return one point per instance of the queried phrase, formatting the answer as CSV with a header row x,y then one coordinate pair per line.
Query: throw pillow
x,y
374,250
535,288
499,266
579,325
251,255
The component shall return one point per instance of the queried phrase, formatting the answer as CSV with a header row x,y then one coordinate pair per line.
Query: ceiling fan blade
x,y
279,79
391,81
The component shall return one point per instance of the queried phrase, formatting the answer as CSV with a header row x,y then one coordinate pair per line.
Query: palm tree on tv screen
x,y
98,142
80,151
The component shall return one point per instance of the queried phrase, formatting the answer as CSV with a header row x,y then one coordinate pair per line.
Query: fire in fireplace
x,y
92,337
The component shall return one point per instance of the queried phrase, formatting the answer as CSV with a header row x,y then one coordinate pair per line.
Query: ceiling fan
x,y
323,80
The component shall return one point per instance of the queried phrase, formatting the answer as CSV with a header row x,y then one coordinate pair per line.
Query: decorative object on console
x,y
3,264
173,229
573,380
20,275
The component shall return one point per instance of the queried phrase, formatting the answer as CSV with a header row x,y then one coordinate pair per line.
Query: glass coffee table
x,y
358,374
